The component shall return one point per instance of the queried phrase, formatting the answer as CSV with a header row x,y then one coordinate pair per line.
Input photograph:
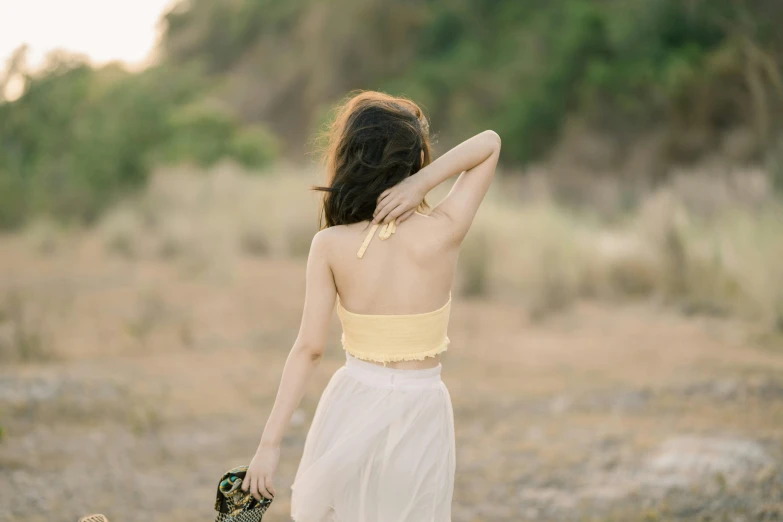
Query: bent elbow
x,y
311,351
493,138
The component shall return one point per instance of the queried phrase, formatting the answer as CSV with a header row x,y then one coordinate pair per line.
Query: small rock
x,y
684,460
560,405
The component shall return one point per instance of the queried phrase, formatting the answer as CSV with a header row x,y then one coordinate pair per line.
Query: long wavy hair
x,y
374,141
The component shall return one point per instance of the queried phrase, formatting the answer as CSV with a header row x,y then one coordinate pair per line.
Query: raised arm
x,y
306,353
474,160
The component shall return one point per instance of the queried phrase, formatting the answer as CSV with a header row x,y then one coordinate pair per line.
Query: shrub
x,y
78,138
201,132
254,147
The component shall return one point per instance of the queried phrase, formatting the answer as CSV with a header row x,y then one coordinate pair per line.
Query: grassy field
x,y
604,366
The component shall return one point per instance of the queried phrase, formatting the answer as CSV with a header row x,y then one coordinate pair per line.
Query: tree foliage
x,y
77,136
519,66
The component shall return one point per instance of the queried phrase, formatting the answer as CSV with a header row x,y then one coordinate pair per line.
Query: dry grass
x,y
216,214
719,258
704,243
701,245
23,333
45,236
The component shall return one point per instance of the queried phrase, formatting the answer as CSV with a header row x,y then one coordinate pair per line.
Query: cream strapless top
x,y
397,337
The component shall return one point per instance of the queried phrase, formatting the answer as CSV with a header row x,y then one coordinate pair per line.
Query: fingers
x,y
395,213
247,484
384,209
382,201
268,488
259,487
391,212
384,194
405,215
254,488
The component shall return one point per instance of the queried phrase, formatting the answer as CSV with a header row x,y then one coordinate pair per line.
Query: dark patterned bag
x,y
235,505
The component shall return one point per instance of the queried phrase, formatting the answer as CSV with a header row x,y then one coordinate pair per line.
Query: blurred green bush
x,y
206,132
79,137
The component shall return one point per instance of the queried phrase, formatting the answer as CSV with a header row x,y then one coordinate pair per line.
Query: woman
x,y
381,444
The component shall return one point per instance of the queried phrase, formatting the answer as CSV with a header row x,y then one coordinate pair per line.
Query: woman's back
x,y
394,289
408,268
410,272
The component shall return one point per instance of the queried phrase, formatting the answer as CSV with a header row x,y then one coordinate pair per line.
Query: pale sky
x,y
104,30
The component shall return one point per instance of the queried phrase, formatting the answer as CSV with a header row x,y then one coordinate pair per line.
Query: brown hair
x,y
374,142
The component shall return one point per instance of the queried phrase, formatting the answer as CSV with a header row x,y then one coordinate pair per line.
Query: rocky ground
x,y
128,386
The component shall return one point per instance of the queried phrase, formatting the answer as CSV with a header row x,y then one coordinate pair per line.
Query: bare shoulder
x,y
322,241
334,238
339,233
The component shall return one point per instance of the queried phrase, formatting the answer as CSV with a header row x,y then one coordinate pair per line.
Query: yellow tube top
x,y
398,337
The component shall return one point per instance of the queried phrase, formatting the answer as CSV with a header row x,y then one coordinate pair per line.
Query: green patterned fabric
x,y
235,505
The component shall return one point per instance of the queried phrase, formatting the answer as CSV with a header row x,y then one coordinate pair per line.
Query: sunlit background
x,y
104,31
617,329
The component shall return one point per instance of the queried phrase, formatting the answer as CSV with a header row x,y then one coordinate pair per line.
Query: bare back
x,y
410,272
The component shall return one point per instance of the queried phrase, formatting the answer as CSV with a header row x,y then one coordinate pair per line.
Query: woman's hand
x,y
258,479
400,201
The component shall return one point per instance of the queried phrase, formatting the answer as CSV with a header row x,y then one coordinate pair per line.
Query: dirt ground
x,y
129,383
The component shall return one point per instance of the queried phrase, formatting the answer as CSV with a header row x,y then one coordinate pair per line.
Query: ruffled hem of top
x,y
416,356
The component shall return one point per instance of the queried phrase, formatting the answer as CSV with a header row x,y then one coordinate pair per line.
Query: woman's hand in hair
x,y
400,201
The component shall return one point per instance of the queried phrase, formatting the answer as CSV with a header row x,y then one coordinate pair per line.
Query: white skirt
x,y
381,448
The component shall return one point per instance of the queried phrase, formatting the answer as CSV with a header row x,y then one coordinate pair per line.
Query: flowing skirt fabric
x,y
381,448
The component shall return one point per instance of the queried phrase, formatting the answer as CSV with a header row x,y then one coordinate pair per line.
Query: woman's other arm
x,y
474,160
306,353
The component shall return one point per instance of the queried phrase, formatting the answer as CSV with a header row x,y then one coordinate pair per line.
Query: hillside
x,y
693,70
